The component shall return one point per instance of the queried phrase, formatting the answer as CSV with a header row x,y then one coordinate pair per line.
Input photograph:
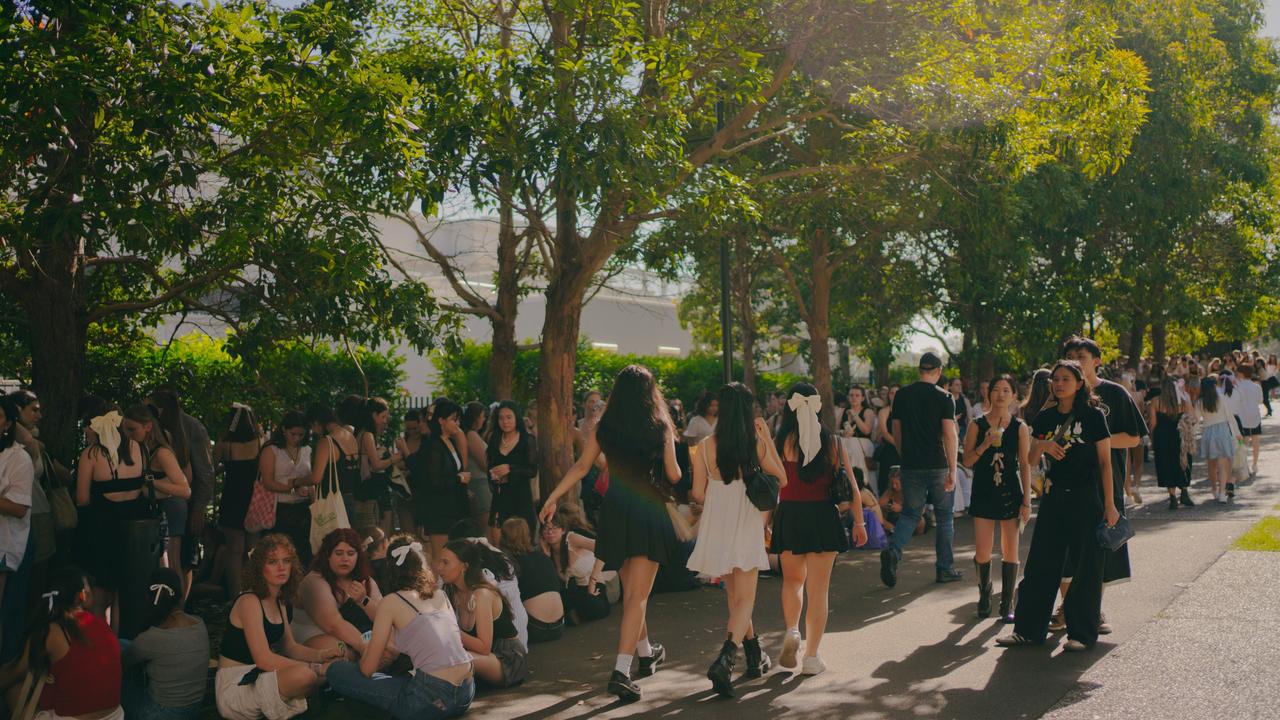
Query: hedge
x,y
123,369
464,375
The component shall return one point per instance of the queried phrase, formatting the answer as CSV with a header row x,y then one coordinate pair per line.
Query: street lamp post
x,y
726,319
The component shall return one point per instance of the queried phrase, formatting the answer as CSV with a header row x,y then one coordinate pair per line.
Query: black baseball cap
x,y
929,361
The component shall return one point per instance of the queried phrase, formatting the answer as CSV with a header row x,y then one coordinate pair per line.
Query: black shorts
x,y
1248,432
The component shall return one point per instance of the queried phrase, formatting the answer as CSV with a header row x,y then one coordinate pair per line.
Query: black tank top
x,y
504,627
236,647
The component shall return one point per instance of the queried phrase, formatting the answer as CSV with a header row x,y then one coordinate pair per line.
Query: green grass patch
x,y
1263,536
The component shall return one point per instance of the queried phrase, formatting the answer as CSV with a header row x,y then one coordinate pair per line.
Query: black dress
x,y
997,496
439,498
633,517
514,497
237,490
1166,442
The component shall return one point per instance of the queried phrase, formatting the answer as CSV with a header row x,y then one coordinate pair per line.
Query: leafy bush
x,y
124,367
464,374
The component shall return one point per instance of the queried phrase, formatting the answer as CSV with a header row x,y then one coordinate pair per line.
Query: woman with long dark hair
x,y
1073,434
285,469
488,629
1164,417
636,533
1217,437
706,413
164,478
17,480
1039,395
109,480
442,500
475,418
374,492
408,444
580,572
731,531
172,652
512,462
335,463
807,531
237,452
996,447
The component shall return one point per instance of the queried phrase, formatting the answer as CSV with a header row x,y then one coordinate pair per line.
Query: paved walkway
x,y
918,651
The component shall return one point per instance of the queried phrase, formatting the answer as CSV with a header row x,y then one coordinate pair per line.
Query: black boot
x,y
757,661
984,588
721,672
1008,590
1185,498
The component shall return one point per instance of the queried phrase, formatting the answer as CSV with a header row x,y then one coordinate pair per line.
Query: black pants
x,y
1065,528
540,632
1268,385
293,520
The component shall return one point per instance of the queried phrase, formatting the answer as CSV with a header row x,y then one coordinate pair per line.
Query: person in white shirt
x,y
703,422
1248,396
17,474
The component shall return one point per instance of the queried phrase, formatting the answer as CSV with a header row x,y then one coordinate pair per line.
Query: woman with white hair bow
x,y
807,531
109,491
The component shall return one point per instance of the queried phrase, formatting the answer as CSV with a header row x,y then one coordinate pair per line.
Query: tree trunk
x,y
54,307
742,292
882,372
1136,334
1159,340
557,366
502,361
819,327
986,366
842,374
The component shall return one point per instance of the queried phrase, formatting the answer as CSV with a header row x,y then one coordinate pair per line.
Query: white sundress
x,y
731,530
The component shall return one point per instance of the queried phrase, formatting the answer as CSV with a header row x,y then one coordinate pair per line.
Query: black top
x,y
1079,469
236,647
437,470
348,469
523,460
921,407
504,628
848,418
1008,450
1123,416
536,574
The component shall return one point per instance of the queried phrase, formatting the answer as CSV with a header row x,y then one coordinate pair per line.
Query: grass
x,y
1263,536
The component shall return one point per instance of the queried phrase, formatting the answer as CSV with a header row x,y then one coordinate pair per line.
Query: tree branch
x,y
170,294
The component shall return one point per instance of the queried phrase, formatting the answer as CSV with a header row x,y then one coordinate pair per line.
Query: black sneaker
x,y
888,567
622,686
949,575
1231,490
1185,498
649,665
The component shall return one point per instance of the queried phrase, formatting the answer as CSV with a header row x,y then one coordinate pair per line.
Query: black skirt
x,y
633,523
807,527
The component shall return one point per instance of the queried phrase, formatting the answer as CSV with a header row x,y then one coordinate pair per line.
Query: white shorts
x,y
51,715
250,702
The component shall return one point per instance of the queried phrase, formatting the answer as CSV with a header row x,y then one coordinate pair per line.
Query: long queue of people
x,y
404,573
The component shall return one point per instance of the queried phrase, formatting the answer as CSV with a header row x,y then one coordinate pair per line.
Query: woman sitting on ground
x,y
539,583
423,625
339,597
76,653
488,632
499,569
173,654
253,679
582,577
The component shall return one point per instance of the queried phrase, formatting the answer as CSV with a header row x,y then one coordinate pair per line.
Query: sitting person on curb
x,y
172,654
254,680
339,597
424,628
74,652
539,583
580,571
485,619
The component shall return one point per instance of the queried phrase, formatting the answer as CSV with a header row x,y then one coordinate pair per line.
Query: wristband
x,y
342,647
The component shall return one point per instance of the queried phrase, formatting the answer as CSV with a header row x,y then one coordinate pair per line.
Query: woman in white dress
x,y
731,532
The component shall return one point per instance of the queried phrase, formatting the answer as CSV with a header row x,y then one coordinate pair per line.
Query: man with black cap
x,y
923,423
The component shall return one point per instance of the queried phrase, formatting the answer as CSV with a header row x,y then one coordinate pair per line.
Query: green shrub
x,y
464,375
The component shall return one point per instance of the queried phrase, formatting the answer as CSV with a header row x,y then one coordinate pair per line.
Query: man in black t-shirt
x,y
923,423
1127,427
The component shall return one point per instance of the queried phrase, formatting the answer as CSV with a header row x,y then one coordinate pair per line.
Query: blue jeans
x,y
421,697
139,705
920,487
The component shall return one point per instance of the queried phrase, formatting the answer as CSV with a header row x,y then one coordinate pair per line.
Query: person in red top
x,y
79,653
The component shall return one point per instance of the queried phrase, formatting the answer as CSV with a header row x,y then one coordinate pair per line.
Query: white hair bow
x,y
402,552
50,596
159,588
107,428
806,408
235,418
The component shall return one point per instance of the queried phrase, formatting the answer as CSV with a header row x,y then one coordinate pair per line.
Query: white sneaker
x,y
790,646
812,666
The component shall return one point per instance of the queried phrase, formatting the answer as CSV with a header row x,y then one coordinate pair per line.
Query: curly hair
x,y
320,563
252,578
413,572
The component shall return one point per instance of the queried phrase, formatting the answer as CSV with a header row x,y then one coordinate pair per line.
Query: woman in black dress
x,y
441,495
513,461
236,452
996,447
636,534
1164,414
1073,434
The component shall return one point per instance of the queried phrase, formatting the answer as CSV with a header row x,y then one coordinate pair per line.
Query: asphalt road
x,y
916,650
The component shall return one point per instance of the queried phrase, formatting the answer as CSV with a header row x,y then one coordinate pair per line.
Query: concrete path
x,y
918,650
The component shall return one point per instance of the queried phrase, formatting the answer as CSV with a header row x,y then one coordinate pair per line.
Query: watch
x,y
365,602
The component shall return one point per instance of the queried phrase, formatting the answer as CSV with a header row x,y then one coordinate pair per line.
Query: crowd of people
x,y
405,572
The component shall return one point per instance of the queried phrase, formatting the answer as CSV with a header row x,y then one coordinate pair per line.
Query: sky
x,y
1273,17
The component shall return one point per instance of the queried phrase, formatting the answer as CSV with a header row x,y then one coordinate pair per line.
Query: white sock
x,y
794,629
623,665
643,648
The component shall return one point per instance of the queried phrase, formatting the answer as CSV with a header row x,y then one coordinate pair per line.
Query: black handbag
x,y
841,487
1113,538
762,489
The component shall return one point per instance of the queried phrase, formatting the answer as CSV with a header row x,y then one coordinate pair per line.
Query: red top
x,y
797,490
87,679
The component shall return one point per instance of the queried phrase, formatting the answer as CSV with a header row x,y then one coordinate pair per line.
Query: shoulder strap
x,y
702,450
406,601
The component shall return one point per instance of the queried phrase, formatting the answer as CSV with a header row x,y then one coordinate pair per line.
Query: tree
x,y
226,159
